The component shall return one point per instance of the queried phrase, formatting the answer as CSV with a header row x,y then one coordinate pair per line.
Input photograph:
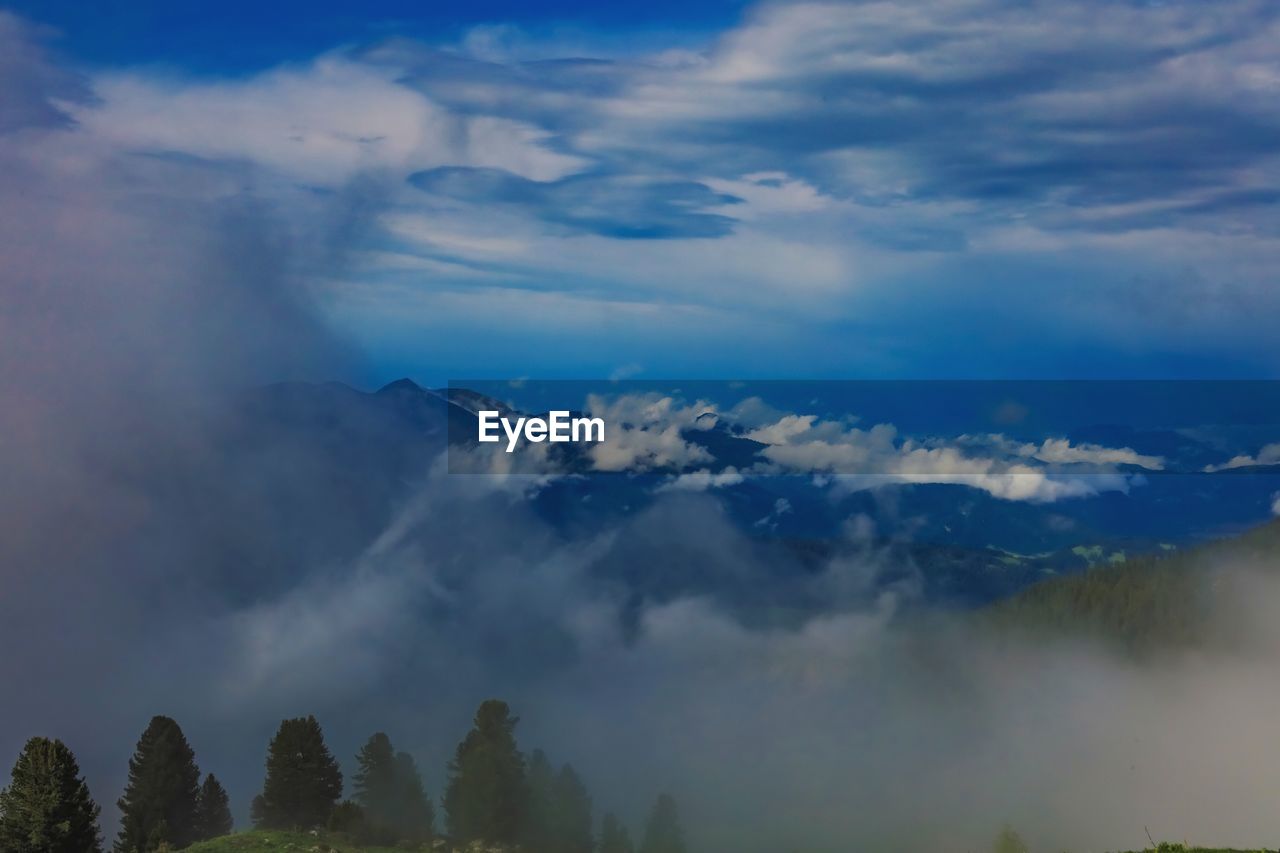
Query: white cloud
x,y
783,430
647,431
644,431
702,480
1268,455
866,458
323,123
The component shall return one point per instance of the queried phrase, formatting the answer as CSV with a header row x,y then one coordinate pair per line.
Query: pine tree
x,y
213,810
47,807
390,793
375,783
558,811
572,813
159,802
614,837
486,795
303,781
540,813
415,814
663,834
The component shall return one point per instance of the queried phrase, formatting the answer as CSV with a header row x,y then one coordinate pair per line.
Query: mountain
x,y
1181,452
320,469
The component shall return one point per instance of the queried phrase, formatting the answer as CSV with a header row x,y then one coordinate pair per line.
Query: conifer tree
x,y
303,782
663,834
213,810
47,808
486,797
375,782
614,837
159,802
415,814
540,813
389,790
572,813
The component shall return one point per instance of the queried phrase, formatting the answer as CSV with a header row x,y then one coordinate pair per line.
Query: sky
x,y
969,188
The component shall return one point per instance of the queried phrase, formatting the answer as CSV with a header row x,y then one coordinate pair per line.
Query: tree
x,y
159,802
572,813
1009,841
213,810
663,834
486,795
540,811
415,814
614,837
375,781
303,781
47,807
558,813
348,818
389,790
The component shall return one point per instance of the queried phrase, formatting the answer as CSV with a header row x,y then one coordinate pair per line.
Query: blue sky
x,y
973,188
238,35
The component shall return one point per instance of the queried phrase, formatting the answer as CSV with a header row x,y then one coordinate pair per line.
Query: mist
x,y
856,729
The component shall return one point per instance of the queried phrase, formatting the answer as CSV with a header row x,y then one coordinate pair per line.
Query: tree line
x,y
493,795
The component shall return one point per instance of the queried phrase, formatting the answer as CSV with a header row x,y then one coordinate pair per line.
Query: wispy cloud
x,y
946,182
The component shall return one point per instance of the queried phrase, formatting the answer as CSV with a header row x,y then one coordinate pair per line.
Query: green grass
x,y
263,841
271,841
1179,848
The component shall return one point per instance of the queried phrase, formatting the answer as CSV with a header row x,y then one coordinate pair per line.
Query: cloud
x,y
37,88
1060,105
783,430
619,206
976,175
1063,452
323,123
646,431
701,480
1096,142
849,699
1268,455
703,446
863,459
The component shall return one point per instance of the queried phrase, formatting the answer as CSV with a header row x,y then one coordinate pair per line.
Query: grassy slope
x,y
298,842
262,841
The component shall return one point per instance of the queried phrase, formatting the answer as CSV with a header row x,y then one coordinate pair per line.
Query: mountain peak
x,y
400,385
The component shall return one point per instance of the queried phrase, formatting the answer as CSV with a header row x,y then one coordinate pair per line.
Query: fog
x,y
149,567
852,730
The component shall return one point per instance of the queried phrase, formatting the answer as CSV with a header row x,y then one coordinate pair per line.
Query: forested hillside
x,y
1145,603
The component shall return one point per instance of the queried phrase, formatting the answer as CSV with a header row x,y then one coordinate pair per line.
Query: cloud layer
x,y
945,184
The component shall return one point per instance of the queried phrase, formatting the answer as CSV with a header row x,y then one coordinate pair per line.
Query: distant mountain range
x,y
308,447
